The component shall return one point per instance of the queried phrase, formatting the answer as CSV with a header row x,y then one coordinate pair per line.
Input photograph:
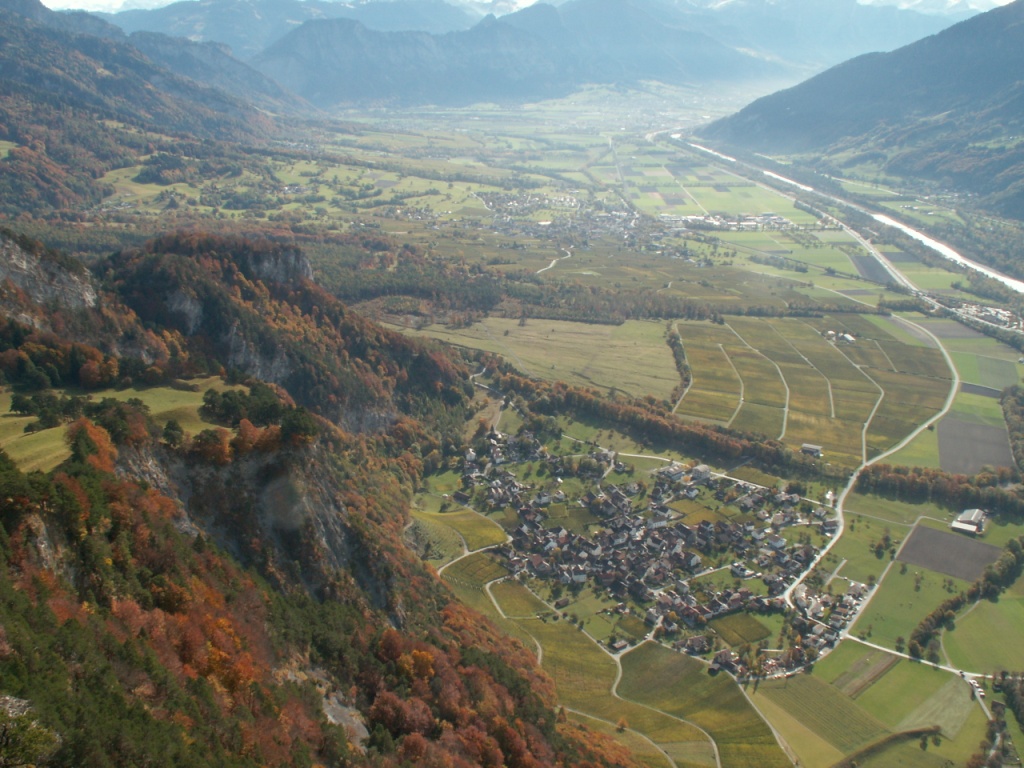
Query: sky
x,y
119,5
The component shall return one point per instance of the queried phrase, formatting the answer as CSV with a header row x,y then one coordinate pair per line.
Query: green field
x,y
979,642
855,550
901,601
894,511
821,708
632,357
584,676
857,694
654,675
475,529
45,449
739,628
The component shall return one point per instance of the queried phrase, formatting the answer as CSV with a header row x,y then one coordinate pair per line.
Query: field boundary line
x,y
686,191
613,691
848,489
828,381
783,744
878,402
782,377
885,354
689,385
617,695
739,405
643,736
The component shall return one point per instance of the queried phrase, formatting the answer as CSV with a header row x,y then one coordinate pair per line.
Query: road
x,y
841,500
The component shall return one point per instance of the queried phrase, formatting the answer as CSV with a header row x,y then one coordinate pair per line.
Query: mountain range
x,y
948,108
429,51
249,26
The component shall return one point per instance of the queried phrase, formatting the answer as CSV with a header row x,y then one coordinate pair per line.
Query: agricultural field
x,y
950,553
858,696
824,710
899,512
739,629
471,527
855,556
632,357
467,578
654,675
584,676
640,747
518,602
438,543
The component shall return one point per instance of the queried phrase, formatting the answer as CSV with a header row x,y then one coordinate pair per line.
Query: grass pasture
x,y
45,449
979,642
901,601
855,550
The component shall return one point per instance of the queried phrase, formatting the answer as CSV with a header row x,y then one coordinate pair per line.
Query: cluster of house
x,y
839,337
825,616
645,555
744,223
1004,318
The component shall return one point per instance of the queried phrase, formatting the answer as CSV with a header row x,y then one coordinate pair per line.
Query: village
x,y
640,552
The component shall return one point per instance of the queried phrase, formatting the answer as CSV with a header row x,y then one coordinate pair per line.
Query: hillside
x,y
75,106
241,596
948,108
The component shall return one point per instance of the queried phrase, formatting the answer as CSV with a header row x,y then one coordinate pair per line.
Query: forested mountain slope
x,y
206,599
949,108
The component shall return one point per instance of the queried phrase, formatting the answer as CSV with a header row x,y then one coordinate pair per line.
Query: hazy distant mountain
x,y
949,107
249,26
207,64
816,33
212,64
536,53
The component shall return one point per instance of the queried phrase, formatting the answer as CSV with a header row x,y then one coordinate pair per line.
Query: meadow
x,y
979,641
46,449
901,600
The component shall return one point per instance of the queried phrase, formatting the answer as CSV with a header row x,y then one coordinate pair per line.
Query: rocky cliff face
x,y
279,511
29,279
280,267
